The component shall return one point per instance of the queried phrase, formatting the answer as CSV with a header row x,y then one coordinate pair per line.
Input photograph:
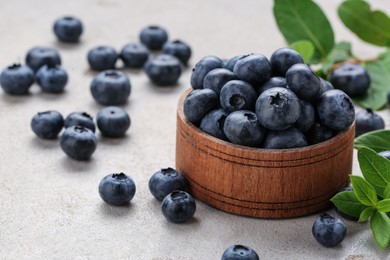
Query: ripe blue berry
x,y
163,70
329,230
111,87
153,37
134,55
253,68
166,181
230,63
68,29
237,95
47,125
307,117
353,79
179,49
290,138
325,86
117,189
113,121
318,133
198,103
282,59
102,58
274,82
78,142
81,119
217,78
39,56
52,79
240,252
303,82
204,66
178,206
367,121
212,123
16,79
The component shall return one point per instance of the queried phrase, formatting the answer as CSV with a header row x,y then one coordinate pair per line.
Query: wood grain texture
x,y
262,183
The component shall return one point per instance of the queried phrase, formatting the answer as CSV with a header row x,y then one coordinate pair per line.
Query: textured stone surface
x,y
49,204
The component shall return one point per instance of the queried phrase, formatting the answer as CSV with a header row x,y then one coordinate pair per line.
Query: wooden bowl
x,y
263,183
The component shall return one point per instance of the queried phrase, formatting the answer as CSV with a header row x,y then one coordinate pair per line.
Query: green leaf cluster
x,y
307,30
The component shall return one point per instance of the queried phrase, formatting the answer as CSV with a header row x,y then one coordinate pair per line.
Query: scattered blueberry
x,y
240,252
303,82
16,79
163,70
237,95
166,181
153,37
216,78
52,79
278,108
212,123
344,215
39,56
47,125
242,127
113,121
134,55
178,206
78,142
179,49
385,154
102,58
367,121
111,87
253,68
318,133
79,118
353,79
230,63
306,118
204,66
329,230
290,138
282,59
68,29
274,82
117,189
198,103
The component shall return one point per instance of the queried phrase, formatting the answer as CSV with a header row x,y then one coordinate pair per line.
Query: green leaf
x,y
366,214
375,169
376,96
370,26
383,205
376,140
380,226
340,52
348,203
363,191
386,193
305,48
304,20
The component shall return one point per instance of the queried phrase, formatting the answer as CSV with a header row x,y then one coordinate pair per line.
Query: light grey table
x,y
49,204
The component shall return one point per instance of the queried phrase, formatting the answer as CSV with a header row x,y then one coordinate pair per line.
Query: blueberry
x,y
240,252
204,66
230,63
335,110
353,79
325,86
303,82
39,56
367,121
47,125
237,95
117,189
16,79
153,37
166,181
113,121
78,142
344,215
290,138
274,82
52,79
216,78
253,68
134,55
306,118
329,230
179,49
318,133
102,58
163,70
111,87
178,206
79,118
198,103
68,29
212,123
278,108
385,154
282,59
242,127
